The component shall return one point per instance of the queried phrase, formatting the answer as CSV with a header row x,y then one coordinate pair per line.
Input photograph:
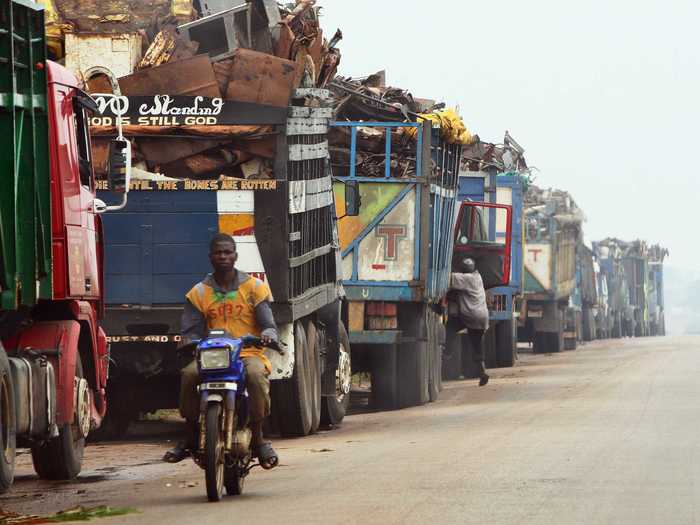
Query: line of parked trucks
x,y
353,200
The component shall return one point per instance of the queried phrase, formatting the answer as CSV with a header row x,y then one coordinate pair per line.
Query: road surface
x,y
605,434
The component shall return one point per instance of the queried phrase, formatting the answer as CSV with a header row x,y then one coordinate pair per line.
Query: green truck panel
x,y
25,205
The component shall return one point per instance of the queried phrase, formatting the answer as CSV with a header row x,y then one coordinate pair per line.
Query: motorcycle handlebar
x,y
251,340
247,341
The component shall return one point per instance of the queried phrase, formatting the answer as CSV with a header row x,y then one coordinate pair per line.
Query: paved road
x,y
605,434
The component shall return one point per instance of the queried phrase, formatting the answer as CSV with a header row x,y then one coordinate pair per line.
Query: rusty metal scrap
x,y
167,46
230,132
276,50
192,76
261,78
119,16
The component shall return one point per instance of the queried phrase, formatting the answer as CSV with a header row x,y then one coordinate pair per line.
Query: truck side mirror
x,y
119,165
353,201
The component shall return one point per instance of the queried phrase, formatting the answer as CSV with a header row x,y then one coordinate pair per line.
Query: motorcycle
x,y
224,448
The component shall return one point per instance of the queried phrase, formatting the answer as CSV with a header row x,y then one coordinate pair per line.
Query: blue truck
x,y
657,319
285,229
500,343
397,252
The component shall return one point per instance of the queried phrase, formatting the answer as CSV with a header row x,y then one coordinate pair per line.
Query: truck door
x,y
483,232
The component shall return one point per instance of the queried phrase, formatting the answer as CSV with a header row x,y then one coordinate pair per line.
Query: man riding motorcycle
x,y
231,300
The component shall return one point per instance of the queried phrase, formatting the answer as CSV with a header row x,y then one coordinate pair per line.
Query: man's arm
x,y
193,324
266,321
458,281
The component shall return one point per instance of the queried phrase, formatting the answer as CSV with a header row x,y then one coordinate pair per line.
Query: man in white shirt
x,y
473,312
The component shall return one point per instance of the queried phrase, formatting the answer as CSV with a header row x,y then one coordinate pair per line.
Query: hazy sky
x,y
603,95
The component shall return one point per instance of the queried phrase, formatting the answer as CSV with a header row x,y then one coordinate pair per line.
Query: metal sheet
x,y
192,76
307,126
163,151
298,152
261,78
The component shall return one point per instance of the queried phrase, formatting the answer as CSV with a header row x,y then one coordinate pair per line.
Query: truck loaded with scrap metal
x,y
495,174
552,231
634,276
402,155
229,134
53,354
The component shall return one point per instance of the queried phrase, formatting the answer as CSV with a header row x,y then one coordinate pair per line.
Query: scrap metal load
x,y
553,231
634,273
506,158
370,100
202,80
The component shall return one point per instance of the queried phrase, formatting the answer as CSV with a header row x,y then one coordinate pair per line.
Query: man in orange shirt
x,y
231,300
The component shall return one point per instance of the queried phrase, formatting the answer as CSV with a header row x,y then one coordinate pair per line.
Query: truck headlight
x,y
214,358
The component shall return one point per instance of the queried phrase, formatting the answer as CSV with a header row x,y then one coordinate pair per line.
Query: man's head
x,y
468,265
222,253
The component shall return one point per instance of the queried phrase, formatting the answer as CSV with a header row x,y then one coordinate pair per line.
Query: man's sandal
x,y
267,456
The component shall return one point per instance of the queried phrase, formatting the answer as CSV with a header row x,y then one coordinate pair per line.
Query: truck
x,y
655,300
504,221
552,232
636,265
397,253
285,230
619,312
53,353
587,291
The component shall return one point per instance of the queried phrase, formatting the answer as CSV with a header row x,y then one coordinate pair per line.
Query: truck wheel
x,y
334,408
313,338
292,400
452,356
435,342
547,343
412,373
62,456
505,344
490,346
385,382
8,437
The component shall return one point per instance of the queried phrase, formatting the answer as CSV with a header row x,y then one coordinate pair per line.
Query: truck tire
x,y
313,339
490,346
293,403
8,436
505,343
334,408
548,342
434,357
412,373
438,338
62,456
385,383
586,322
452,356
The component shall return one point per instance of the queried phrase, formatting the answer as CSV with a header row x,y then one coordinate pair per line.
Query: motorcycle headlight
x,y
214,358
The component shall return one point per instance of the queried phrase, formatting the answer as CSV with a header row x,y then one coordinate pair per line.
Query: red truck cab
x,y
53,354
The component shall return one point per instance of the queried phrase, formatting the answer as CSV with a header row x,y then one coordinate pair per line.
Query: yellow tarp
x,y
452,127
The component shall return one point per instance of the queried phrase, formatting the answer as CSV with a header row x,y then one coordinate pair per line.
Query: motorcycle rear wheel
x,y
214,453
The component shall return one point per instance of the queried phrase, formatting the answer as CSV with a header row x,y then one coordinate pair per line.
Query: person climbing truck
x,y
472,314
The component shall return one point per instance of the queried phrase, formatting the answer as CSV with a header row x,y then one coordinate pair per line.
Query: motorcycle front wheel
x,y
214,454
234,480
